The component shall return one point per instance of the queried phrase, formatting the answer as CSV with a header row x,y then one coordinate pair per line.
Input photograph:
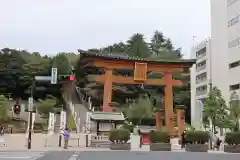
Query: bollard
x,y
87,140
60,141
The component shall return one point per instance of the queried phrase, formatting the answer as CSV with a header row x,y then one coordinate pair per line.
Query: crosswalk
x,y
12,155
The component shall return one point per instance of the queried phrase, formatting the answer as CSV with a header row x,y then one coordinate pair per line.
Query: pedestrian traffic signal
x,y
71,78
17,109
67,78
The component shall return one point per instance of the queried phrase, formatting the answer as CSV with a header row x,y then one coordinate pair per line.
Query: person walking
x,y
66,136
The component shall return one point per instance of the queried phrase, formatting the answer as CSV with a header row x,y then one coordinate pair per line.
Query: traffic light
x,y
67,78
71,78
17,109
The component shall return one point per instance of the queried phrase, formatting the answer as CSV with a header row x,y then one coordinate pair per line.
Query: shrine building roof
x,y
121,56
107,116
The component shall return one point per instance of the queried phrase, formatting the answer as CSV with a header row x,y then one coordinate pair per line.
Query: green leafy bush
x,y
196,137
232,138
128,127
119,135
71,123
159,137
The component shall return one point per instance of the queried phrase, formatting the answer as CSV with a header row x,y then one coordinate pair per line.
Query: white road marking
x,y
38,156
7,157
21,155
74,156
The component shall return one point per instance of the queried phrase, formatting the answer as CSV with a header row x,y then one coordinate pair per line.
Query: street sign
x,y
30,103
43,78
54,76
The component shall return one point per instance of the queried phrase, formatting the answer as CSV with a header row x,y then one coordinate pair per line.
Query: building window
x,y
201,77
233,21
201,90
234,64
230,2
234,87
201,52
201,65
234,43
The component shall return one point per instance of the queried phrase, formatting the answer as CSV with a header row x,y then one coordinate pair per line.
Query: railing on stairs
x,y
85,100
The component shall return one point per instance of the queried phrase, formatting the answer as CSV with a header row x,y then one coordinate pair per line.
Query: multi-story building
x,y
233,32
223,57
200,79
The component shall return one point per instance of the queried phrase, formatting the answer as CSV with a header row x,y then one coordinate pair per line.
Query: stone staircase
x,y
80,109
57,124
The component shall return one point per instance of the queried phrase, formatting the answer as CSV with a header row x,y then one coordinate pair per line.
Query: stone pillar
x,y
180,111
159,119
168,101
107,95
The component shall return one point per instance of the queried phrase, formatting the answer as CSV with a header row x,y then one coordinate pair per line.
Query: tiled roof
x,y
121,56
111,116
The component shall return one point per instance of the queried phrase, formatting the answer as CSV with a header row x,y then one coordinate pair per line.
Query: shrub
x,y
119,135
128,127
113,135
71,122
196,137
232,138
159,137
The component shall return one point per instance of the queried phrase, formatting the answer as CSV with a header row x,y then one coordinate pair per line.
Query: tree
x,y
137,47
46,106
156,42
4,108
62,63
233,117
215,109
162,48
141,109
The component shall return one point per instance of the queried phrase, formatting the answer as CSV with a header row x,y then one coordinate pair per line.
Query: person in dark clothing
x,y
1,130
183,139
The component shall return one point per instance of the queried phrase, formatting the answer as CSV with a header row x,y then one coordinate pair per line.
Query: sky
x,y
51,26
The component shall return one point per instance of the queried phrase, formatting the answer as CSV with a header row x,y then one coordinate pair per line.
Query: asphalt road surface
x,y
115,155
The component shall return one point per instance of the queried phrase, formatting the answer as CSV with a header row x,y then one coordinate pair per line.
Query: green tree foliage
x,y
137,47
62,63
215,109
233,113
19,67
4,108
46,106
141,109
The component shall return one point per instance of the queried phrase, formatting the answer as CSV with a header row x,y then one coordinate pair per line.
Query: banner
x,y
78,125
63,120
51,121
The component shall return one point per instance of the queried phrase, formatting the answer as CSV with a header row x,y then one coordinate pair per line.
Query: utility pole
x,y
53,79
30,110
213,128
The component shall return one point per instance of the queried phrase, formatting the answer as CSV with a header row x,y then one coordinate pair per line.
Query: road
x,y
114,155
